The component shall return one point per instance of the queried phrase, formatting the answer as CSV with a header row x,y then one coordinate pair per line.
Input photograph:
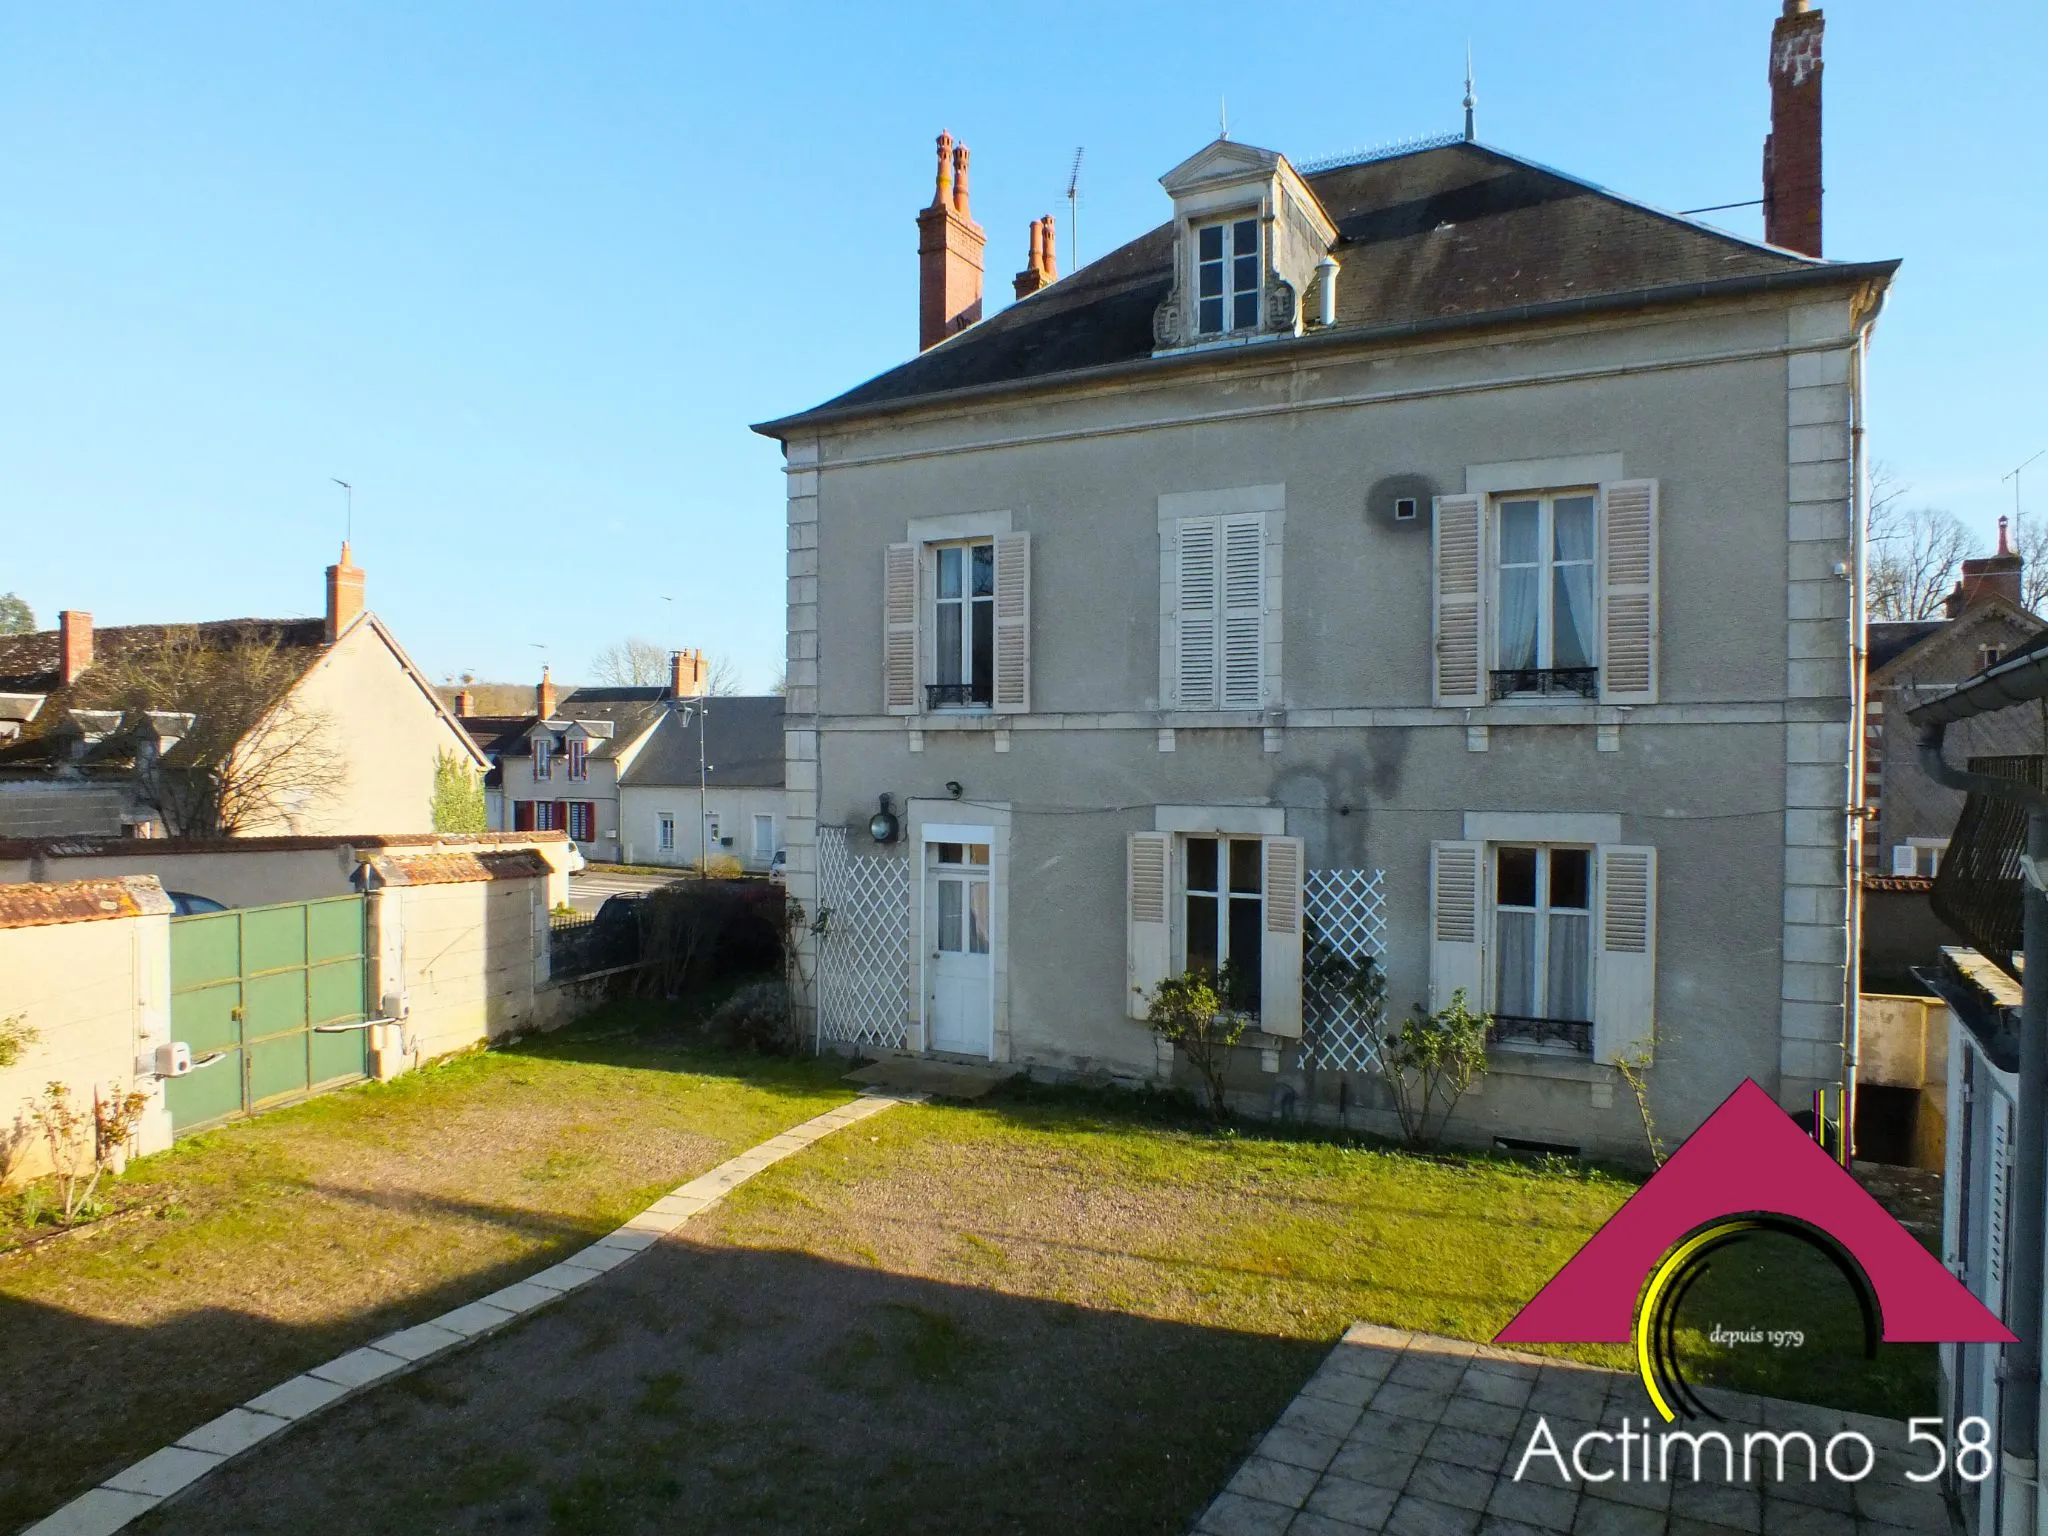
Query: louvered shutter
x,y
899,630
1460,625
1280,947
1013,623
1148,893
1244,611
1456,921
1628,598
1625,955
1195,615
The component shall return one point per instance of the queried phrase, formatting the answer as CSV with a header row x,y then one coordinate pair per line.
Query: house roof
x,y
742,745
629,710
1890,641
1455,235
1887,640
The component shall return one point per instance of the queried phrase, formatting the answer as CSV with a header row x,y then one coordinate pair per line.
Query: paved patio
x,y
1414,1435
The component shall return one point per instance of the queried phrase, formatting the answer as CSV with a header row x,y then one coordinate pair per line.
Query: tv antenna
x,y
348,526
1074,213
2014,477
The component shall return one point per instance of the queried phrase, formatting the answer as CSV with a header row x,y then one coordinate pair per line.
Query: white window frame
x,y
1542,912
577,755
1228,227
764,849
543,758
1547,566
664,831
933,556
1182,891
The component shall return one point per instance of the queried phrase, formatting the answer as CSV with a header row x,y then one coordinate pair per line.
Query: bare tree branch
x,y
631,663
248,754
1914,553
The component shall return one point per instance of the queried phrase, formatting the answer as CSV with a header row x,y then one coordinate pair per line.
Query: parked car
x,y
185,904
779,865
577,863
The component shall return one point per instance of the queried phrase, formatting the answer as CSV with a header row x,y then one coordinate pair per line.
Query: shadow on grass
x,y
712,1389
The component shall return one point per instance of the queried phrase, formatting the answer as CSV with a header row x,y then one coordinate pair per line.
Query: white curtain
x,y
1514,990
1571,967
1572,613
1521,554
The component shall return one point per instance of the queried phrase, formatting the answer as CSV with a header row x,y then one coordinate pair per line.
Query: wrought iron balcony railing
x,y
1516,1029
956,696
1547,682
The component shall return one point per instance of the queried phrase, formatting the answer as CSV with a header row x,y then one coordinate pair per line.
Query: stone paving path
x,y
173,1470
1414,1435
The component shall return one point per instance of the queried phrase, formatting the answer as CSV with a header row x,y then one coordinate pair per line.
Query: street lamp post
x,y
700,710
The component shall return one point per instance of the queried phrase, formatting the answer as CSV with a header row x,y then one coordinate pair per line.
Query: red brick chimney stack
x,y
1792,177
74,639
949,246
1043,268
465,704
544,697
344,596
1994,576
689,674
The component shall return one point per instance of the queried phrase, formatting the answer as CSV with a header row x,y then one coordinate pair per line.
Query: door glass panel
x,y
1246,931
1571,878
949,916
1202,935
1202,864
1244,866
1521,540
1516,886
949,573
949,853
949,643
984,652
977,917
1514,991
1571,968
977,853
984,570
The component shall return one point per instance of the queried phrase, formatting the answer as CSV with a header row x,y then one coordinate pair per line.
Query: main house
x,y
256,727
1432,554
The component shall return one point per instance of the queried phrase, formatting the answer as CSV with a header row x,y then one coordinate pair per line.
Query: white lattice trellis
x,y
864,952
1345,909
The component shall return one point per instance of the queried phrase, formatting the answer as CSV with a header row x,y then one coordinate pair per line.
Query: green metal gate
x,y
270,1000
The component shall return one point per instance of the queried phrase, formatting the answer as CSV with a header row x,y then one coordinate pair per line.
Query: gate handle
x,y
342,1029
207,1061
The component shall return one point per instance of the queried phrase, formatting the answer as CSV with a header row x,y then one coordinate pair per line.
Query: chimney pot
x,y
1038,270
344,595
74,638
949,248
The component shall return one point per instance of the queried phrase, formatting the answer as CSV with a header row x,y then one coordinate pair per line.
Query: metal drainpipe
x,y
2019,1371
1852,1002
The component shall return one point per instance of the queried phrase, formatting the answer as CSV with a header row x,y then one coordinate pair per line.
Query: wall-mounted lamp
x,y
953,788
882,825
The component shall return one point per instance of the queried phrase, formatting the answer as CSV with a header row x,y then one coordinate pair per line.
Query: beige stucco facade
x,y
1737,774
731,811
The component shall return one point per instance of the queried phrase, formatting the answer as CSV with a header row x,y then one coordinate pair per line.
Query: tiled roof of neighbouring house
x,y
1438,237
742,744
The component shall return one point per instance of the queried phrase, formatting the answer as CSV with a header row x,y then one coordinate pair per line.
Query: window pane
x,y
1244,276
1212,280
1517,620
1244,865
1521,532
984,651
1210,242
1514,977
949,916
1245,237
947,853
1212,314
1572,518
949,573
1571,879
1572,616
984,570
1202,934
1246,313
1246,925
977,853
1515,877
977,917
949,643
1571,967
1201,863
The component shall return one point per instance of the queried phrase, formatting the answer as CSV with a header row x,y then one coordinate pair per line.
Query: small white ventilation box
x,y
173,1059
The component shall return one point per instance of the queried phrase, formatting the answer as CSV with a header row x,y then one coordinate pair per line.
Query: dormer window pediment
x,y
1249,236
95,725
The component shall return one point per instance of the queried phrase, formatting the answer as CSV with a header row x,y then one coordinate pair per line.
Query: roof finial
x,y
1222,117
1471,100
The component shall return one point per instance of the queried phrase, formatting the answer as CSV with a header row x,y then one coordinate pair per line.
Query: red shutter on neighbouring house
x,y
522,816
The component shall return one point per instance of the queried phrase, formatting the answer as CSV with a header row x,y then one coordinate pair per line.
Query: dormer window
x,y
1227,276
543,757
579,752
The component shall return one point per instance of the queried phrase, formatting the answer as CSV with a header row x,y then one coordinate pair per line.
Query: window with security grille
x,y
1227,277
1546,613
1543,934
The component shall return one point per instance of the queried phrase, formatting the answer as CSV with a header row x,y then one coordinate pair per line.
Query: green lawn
x,y
248,1253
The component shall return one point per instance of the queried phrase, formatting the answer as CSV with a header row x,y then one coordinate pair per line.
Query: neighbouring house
x,y
1430,556
606,765
251,727
737,802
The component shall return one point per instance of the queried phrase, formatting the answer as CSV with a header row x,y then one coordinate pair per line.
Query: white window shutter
x,y
1244,611
1195,615
1457,913
1148,900
899,630
1625,955
1628,593
1013,623
1280,947
1460,620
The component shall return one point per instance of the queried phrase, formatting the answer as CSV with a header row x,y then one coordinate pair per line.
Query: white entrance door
x,y
961,1002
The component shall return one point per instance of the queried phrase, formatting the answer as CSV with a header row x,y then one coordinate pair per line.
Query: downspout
x,y
1858,811
2019,1372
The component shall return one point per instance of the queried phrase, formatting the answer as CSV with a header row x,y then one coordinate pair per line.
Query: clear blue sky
x,y
524,272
